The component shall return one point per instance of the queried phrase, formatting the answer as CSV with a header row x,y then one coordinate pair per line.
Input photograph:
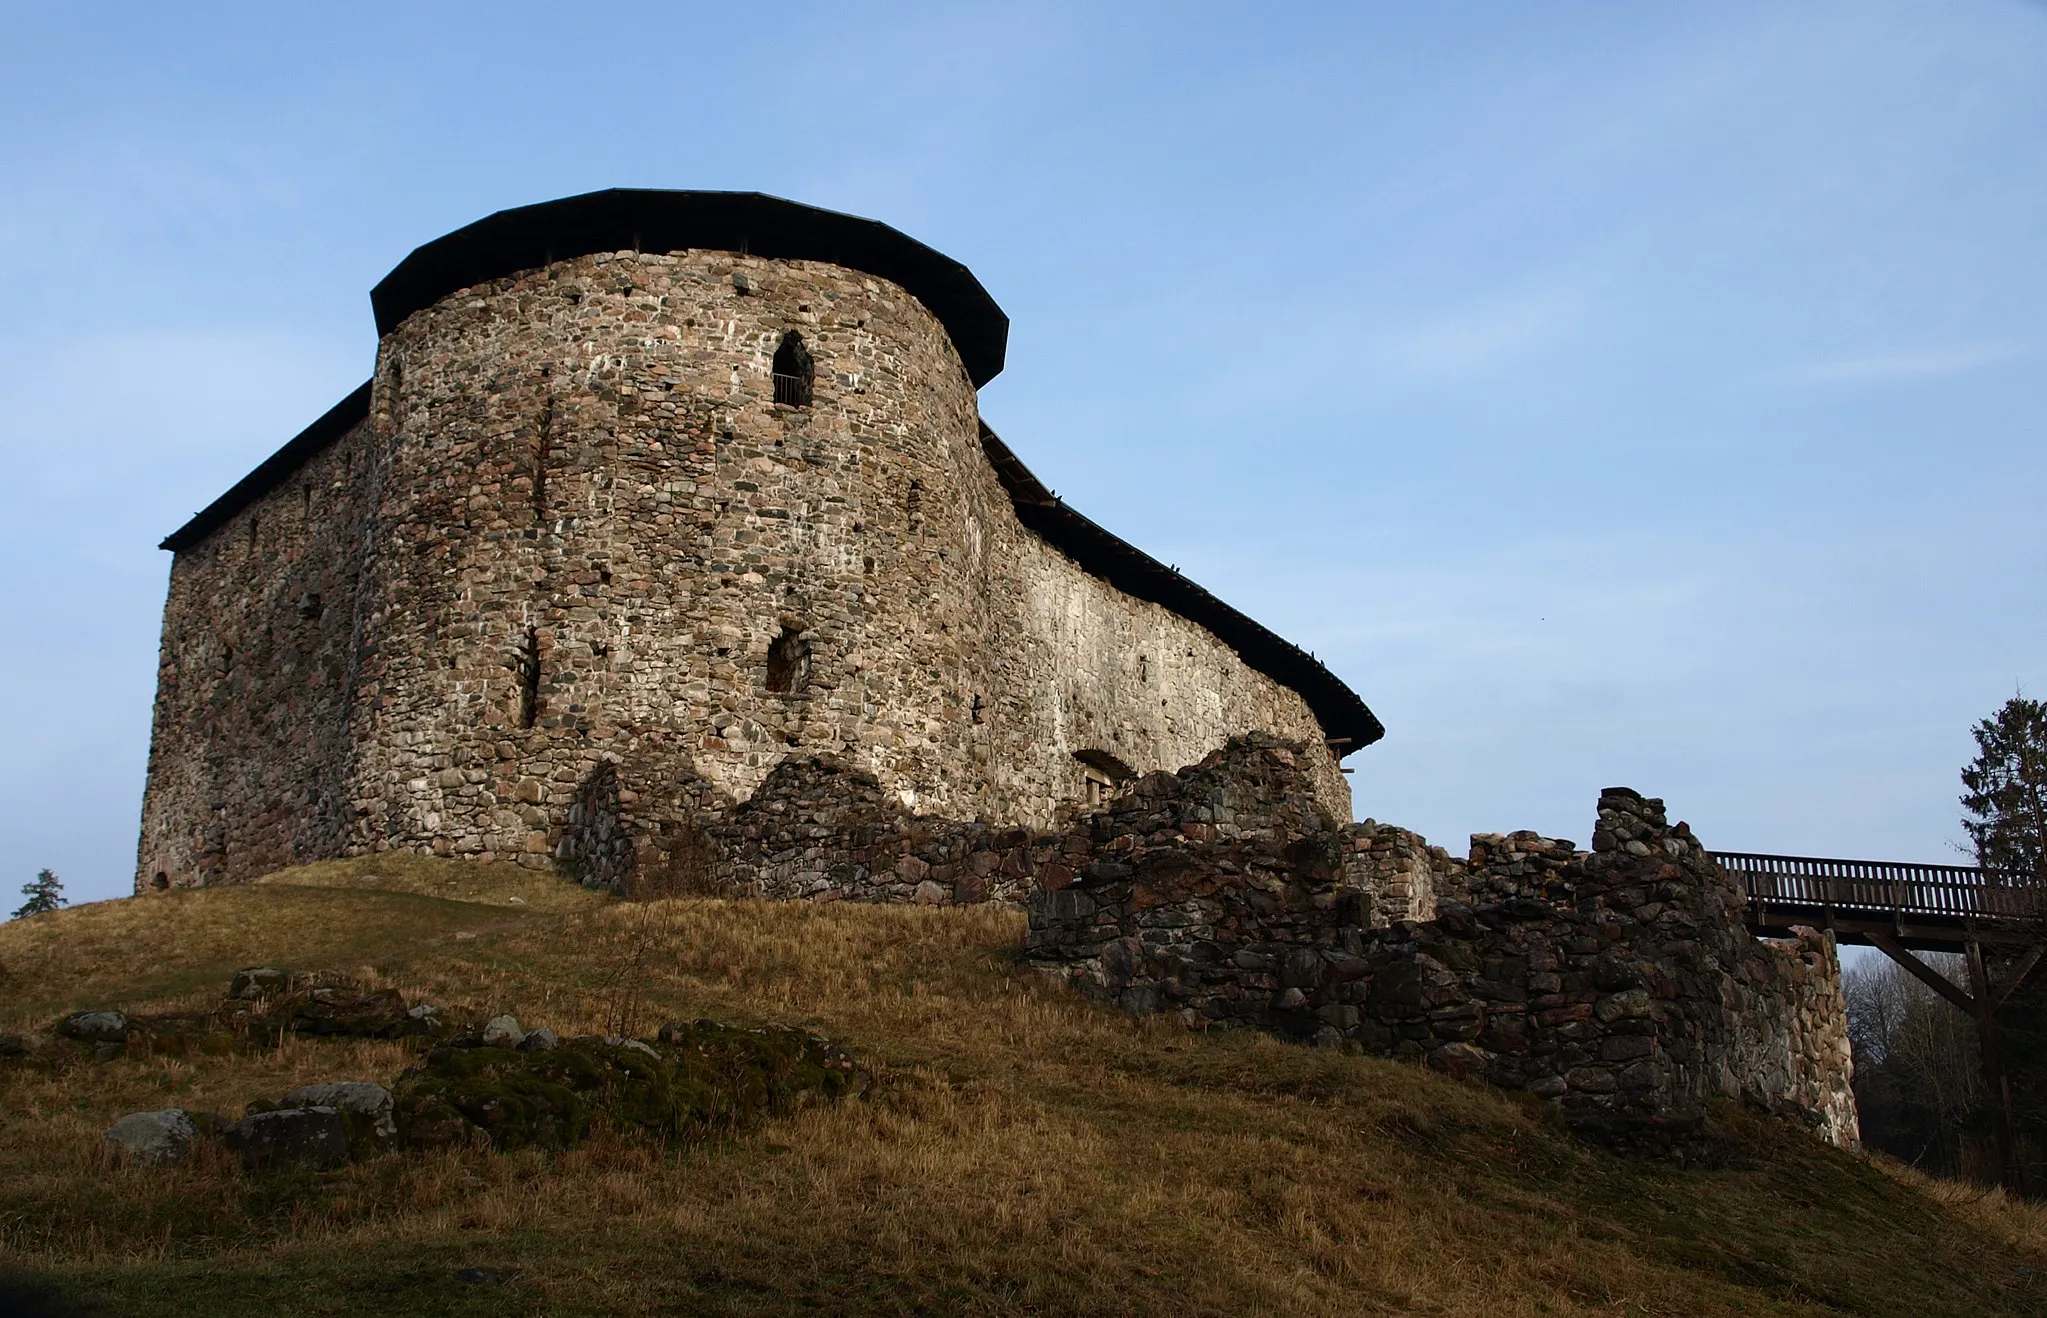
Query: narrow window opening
x,y
789,662
913,504
540,458
980,710
227,661
253,523
306,491
794,371
529,683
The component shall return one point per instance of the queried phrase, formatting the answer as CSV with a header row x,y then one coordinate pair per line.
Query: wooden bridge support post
x,y
1996,1085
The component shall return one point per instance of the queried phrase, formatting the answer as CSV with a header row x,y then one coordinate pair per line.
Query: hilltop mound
x,y
1017,1150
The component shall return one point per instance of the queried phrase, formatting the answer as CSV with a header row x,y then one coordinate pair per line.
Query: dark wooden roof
x,y
655,220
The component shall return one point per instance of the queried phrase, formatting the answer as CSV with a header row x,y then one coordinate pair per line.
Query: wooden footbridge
x,y
1928,908
1903,909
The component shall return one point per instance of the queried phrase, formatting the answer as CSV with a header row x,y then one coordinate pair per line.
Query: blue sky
x,y
1610,393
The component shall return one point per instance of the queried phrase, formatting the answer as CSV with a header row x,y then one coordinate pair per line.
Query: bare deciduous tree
x,y
1918,1085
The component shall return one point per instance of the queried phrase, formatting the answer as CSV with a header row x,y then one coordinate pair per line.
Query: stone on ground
x,y
258,982
95,1027
706,1077
312,1137
370,1104
160,1137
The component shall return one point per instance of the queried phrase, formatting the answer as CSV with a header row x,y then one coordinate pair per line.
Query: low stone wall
x,y
634,826
822,829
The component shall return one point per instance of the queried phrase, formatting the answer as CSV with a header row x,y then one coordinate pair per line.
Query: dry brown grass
x,y
1020,1152
334,914
2019,1223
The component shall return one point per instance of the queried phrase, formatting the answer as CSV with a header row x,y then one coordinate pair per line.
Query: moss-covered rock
x,y
705,1076
378,1015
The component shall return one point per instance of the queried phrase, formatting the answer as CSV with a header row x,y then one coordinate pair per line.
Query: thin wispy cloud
x,y
1489,333
1903,366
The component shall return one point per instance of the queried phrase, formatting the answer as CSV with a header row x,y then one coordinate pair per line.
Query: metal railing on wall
x,y
792,390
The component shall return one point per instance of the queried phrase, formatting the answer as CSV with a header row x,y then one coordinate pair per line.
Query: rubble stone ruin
x,y
665,547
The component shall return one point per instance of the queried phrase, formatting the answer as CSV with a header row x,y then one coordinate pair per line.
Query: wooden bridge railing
x,y
1948,892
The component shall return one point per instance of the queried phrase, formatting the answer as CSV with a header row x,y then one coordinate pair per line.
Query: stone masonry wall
x,y
1401,870
576,527
1618,983
256,681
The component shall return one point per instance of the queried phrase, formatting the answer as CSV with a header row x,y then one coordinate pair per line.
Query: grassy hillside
x,y
1019,1152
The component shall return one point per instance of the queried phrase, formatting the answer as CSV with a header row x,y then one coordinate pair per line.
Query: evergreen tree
x,y
2006,814
45,894
2006,800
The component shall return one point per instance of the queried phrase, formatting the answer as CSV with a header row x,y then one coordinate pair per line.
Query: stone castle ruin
x,y
668,486
666,547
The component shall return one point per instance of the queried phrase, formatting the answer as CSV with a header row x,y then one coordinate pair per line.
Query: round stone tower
x,y
608,514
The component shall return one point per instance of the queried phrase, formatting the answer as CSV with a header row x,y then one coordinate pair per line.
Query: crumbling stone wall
x,y
635,824
577,526
1620,983
1791,1040
823,829
1404,874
